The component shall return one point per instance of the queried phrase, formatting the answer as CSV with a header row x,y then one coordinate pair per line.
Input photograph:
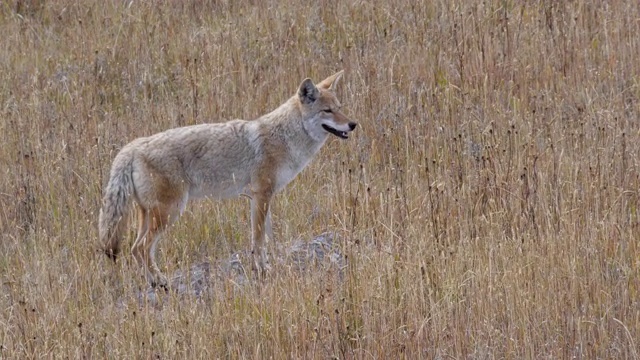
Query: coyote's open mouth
x,y
340,134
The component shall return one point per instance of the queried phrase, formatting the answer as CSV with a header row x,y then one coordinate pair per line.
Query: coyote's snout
x,y
258,158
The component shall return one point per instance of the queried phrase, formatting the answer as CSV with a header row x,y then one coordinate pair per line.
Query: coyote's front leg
x,y
260,224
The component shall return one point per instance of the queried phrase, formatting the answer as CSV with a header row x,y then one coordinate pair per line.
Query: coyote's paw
x,y
261,265
159,281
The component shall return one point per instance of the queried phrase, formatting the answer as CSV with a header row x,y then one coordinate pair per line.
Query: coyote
x,y
258,158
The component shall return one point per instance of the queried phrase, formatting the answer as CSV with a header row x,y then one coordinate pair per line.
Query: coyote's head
x,y
321,109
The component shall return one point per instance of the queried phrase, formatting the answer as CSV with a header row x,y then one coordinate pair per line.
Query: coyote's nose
x,y
352,125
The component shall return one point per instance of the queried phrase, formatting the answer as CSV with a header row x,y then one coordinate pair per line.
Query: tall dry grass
x,y
487,206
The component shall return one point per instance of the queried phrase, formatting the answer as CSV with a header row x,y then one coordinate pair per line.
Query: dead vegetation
x,y
487,207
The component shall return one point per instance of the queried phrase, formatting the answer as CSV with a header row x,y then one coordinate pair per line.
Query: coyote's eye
x,y
328,111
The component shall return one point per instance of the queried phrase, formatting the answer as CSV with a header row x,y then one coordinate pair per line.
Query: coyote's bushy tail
x,y
116,204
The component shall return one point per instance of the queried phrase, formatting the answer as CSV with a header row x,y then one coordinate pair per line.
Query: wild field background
x,y
486,206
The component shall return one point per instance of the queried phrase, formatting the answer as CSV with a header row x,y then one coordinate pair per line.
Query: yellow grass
x,y
487,205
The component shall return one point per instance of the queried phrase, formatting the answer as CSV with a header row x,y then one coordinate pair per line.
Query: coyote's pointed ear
x,y
308,92
331,82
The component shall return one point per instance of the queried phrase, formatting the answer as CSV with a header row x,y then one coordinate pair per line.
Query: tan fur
x,y
258,158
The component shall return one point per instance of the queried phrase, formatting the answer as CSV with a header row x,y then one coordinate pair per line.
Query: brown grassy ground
x,y
487,205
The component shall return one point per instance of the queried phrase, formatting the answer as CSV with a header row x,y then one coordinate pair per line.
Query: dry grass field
x,y
486,207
